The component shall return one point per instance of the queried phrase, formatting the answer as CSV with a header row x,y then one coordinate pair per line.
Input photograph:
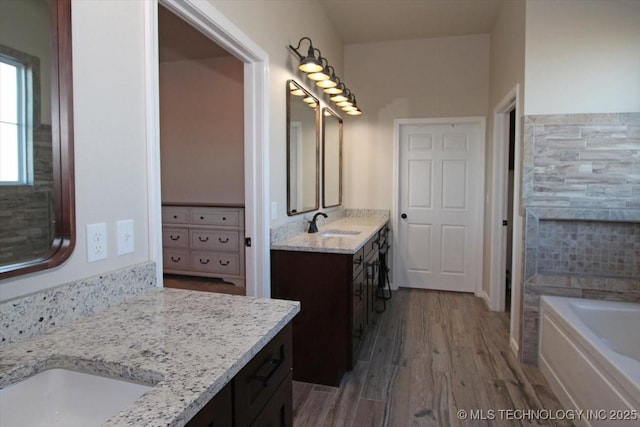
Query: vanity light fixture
x,y
319,70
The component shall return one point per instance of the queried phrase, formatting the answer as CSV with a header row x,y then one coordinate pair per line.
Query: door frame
x,y
395,205
207,19
498,233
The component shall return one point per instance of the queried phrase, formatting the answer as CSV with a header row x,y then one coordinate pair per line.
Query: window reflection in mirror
x,y
331,159
36,164
302,150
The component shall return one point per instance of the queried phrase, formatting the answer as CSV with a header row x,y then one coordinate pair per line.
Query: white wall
x,y
202,131
582,56
110,139
439,77
274,25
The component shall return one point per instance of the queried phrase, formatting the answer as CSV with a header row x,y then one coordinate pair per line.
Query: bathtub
x,y
589,352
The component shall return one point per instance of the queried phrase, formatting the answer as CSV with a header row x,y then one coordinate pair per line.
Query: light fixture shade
x,y
338,98
317,76
348,108
309,99
333,90
325,84
310,64
355,112
345,103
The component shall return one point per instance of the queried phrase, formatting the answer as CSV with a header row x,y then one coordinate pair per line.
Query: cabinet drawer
x,y
175,237
358,291
358,261
259,379
175,215
371,246
215,240
215,217
213,262
175,259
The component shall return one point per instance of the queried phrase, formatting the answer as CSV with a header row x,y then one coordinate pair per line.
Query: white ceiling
x,y
356,21
369,21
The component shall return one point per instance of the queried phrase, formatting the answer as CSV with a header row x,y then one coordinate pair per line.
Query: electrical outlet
x,y
96,242
125,237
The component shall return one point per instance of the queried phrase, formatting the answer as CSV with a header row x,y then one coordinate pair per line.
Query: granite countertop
x,y
186,344
349,244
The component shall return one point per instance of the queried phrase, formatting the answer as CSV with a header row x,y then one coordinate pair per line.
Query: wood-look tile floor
x,y
429,355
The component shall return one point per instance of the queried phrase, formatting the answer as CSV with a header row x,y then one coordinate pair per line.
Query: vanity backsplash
x,y
40,312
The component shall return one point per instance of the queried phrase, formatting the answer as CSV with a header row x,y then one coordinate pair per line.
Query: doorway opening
x,y
254,245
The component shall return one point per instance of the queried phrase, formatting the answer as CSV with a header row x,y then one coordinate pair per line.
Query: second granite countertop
x,y
347,244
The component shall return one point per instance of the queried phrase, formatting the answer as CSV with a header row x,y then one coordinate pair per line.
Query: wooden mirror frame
x,y
326,112
62,147
289,96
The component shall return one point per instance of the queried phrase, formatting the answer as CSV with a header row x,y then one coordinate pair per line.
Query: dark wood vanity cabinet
x,y
259,395
337,295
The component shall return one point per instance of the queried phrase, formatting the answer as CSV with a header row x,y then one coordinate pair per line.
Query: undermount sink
x,y
61,397
339,233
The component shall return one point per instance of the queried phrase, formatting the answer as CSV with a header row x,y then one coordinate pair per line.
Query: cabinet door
x,y
259,380
278,412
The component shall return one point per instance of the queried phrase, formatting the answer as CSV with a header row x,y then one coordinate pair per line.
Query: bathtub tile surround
x,y
581,199
186,344
41,312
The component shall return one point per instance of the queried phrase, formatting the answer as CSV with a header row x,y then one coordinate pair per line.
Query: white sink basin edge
x,y
339,233
62,397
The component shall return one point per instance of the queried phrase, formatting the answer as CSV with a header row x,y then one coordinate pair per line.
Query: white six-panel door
x,y
441,181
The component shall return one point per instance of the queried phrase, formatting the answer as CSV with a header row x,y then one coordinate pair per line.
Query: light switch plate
x,y
96,242
126,242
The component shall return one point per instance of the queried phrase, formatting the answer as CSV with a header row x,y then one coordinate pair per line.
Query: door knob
x,y
403,216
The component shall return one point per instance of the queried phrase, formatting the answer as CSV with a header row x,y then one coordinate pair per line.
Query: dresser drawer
x,y
213,262
175,259
175,215
219,217
215,240
175,237
260,378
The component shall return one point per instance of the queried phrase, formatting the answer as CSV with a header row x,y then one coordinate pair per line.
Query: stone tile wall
x,y
581,195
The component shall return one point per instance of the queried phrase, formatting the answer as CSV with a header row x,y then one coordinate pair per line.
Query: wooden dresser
x,y
206,241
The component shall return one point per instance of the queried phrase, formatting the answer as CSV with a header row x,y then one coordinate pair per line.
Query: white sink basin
x,y
60,397
339,233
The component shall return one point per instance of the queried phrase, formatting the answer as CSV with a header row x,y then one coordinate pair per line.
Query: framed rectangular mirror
x,y
303,112
331,159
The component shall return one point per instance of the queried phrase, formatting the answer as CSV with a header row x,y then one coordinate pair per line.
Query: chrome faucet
x,y
313,228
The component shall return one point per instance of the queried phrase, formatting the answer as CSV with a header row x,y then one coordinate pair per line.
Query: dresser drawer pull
x,y
175,217
201,217
224,263
223,241
203,240
275,364
224,218
204,262
175,259
174,238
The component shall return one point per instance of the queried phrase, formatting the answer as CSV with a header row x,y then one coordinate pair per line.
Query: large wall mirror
x,y
331,159
37,212
303,112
